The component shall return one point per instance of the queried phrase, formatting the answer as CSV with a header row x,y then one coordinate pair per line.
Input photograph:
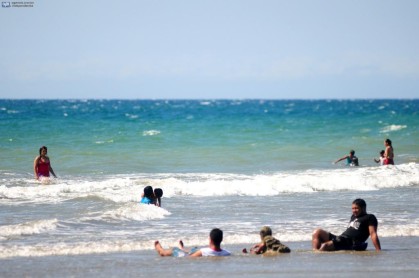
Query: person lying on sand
x,y
214,248
269,244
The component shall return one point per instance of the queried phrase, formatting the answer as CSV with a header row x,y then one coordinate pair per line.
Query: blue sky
x,y
192,49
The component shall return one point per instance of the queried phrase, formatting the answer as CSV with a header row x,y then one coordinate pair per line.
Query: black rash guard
x,y
358,228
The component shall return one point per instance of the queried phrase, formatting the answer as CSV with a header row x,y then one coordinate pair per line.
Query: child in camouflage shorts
x,y
269,244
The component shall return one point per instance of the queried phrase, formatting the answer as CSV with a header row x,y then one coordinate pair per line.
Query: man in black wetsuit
x,y
361,226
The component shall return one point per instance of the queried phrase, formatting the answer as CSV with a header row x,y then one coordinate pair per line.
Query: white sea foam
x,y
127,189
125,245
151,132
131,211
104,142
357,179
76,248
28,228
131,116
399,230
392,128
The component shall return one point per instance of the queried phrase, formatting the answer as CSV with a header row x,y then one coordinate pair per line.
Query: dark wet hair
x,y
382,152
158,192
42,148
352,152
265,231
388,141
148,192
216,235
360,203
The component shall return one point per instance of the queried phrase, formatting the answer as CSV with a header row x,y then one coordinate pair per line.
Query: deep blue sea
x,y
232,164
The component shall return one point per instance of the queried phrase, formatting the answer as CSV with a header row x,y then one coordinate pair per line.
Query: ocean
x,y
233,164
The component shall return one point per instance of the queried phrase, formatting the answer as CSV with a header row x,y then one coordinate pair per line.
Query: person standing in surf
x,y
381,158
42,164
388,153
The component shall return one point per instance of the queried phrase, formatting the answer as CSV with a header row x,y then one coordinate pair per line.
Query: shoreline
x,y
398,258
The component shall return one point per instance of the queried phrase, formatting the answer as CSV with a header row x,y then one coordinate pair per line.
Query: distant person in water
x,y
150,196
42,164
214,248
361,226
351,159
158,193
381,158
268,244
389,153
147,197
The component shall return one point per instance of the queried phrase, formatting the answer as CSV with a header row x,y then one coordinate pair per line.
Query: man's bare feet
x,y
160,250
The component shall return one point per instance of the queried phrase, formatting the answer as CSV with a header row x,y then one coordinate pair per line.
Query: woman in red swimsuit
x,y
42,165
388,153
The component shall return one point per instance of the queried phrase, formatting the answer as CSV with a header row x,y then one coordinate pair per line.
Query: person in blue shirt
x,y
351,159
148,196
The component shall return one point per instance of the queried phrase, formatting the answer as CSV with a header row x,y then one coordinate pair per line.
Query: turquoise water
x,y
89,137
232,164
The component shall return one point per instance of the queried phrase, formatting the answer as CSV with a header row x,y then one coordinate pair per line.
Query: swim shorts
x,y
341,243
177,252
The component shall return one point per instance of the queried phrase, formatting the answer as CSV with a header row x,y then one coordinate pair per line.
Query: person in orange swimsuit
x,y
42,164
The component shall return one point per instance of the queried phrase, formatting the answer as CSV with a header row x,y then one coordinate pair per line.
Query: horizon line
x,y
206,99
